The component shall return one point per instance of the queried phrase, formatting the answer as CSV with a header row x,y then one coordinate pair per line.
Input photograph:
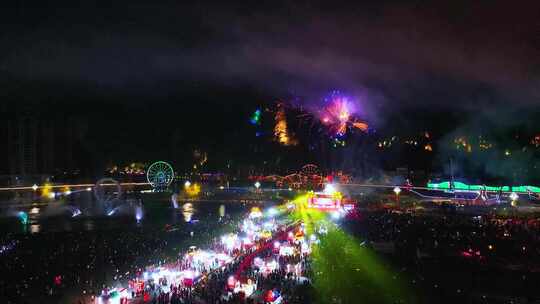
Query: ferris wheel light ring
x,y
160,174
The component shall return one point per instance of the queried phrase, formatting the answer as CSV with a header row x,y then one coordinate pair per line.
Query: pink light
x,y
231,281
338,115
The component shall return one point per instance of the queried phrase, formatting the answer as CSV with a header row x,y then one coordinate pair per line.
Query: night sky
x,y
156,80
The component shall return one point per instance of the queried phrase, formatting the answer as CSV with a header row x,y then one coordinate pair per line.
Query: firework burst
x,y
338,115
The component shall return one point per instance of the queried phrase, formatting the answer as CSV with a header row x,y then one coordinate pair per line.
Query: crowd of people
x,y
437,234
481,255
251,280
53,267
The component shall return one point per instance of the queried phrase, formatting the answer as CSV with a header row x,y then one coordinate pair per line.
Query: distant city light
x,y
138,214
256,117
187,184
514,196
257,184
397,190
193,189
272,212
76,212
34,187
329,189
462,186
336,215
23,217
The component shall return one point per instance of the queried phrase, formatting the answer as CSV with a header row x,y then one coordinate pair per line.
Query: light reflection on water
x,y
89,225
221,210
51,218
35,228
187,212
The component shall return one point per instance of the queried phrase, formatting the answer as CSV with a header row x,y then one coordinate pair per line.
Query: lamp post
x,y
257,188
514,197
35,187
397,191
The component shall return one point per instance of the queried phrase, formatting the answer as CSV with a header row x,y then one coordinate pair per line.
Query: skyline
x,y
158,81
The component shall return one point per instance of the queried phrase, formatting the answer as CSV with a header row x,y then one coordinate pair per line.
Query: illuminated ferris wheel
x,y
310,170
160,175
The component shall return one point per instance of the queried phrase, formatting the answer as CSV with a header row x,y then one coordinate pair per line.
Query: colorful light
x,y
463,186
281,133
76,212
46,191
272,212
256,117
255,213
23,217
514,196
138,214
329,189
231,282
338,115
193,189
360,125
49,187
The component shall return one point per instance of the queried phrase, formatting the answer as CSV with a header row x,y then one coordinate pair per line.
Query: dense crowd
x,y
480,255
215,287
53,266
440,235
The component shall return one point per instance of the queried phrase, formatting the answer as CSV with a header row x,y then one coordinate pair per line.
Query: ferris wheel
x,y
309,170
160,174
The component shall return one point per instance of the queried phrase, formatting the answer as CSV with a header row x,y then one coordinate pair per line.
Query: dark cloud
x,y
410,53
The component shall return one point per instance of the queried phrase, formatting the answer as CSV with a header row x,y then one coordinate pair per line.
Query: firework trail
x,y
281,133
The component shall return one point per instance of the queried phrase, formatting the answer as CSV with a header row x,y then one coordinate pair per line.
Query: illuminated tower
x,y
22,144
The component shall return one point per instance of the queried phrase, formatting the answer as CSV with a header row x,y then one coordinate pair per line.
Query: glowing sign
x,y
324,201
463,186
